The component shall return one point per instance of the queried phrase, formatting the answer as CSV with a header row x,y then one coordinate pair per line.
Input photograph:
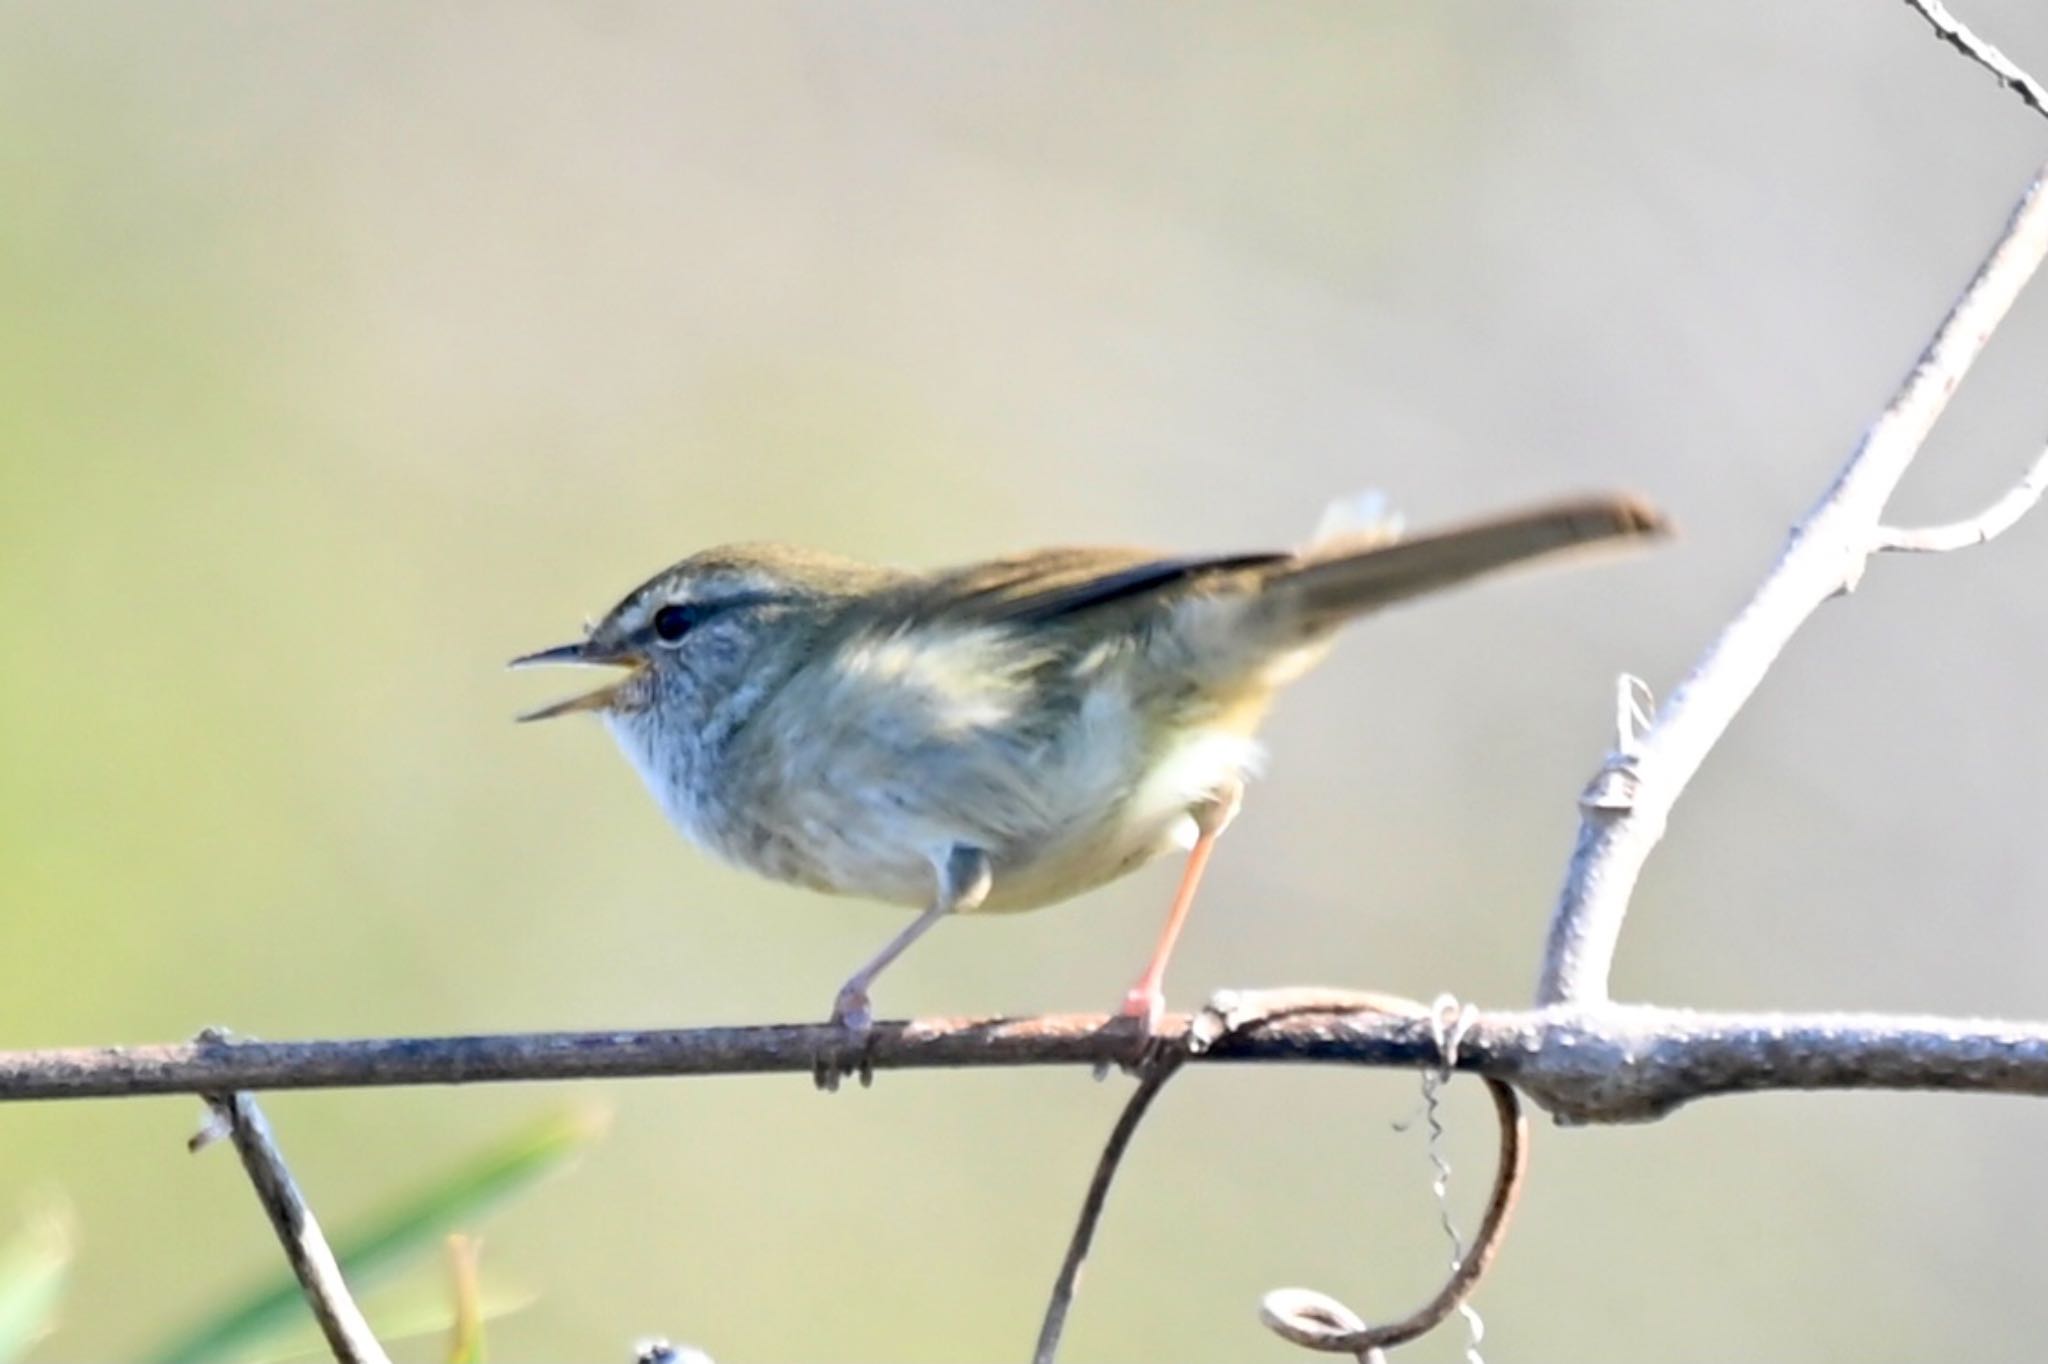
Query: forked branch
x,y
1981,529
348,1333
1625,810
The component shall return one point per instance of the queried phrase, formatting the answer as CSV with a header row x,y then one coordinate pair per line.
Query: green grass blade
x,y
33,1267
409,1228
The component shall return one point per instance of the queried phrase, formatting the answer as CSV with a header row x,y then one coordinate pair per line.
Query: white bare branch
x,y
1957,35
1625,809
1986,526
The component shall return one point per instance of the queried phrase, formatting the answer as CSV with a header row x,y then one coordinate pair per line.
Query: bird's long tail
x,y
1336,579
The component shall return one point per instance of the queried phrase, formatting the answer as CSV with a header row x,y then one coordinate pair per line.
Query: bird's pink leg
x,y
1146,1000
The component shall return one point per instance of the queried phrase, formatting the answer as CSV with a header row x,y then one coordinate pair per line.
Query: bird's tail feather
x,y
1342,577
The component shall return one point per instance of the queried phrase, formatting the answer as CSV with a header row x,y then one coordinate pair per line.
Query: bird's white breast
x,y
860,776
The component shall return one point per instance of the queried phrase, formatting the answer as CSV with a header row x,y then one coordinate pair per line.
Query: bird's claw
x,y
1145,1006
851,1053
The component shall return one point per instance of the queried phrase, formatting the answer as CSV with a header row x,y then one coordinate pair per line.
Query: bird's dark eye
x,y
673,621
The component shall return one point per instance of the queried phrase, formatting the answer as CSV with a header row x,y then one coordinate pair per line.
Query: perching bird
x,y
1001,735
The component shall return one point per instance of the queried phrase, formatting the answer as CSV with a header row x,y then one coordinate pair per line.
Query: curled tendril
x,y
1307,1318
1319,1322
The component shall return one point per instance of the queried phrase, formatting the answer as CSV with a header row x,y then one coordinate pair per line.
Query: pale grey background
x,y
349,349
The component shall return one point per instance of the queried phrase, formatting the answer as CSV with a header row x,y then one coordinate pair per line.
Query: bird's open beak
x,y
579,653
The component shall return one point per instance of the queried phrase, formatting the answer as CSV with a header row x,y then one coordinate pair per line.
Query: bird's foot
x,y
850,1053
1144,1004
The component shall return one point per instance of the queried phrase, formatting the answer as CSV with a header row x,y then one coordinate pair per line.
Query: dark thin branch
x,y
341,1321
1619,1063
1957,35
1625,810
1069,1278
1307,1319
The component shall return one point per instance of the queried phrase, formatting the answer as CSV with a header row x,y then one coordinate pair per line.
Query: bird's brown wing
x,y
1308,593
1052,584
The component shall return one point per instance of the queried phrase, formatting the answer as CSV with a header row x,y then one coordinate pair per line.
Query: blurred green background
x,y
346,350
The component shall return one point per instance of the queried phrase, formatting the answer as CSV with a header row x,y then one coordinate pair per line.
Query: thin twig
x,y
1624,812
1307,1319
341,1321
1616,1064
1154,1078
1981,529
1957,35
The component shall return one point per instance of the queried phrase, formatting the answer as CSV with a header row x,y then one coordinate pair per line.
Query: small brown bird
x,y
1002,735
